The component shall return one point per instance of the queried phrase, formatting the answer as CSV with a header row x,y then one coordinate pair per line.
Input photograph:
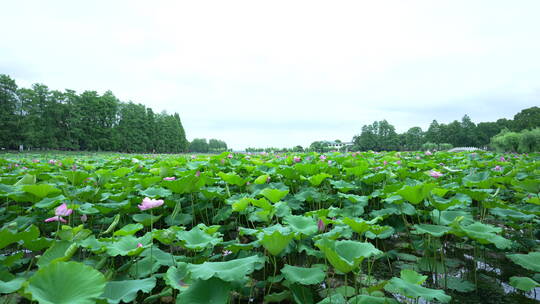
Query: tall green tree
x,y
527,119
8,113
413,139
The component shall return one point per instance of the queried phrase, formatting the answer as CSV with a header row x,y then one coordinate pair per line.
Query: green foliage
x,y
302,232
66,283
526,141
38,118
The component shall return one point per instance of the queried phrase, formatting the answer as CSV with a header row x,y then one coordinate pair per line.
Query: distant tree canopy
x,y
381,135
37,117
200,145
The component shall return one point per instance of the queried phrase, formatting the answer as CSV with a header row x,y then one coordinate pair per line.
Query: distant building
x,y
336,145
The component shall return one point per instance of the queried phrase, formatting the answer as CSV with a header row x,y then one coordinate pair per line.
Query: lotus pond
x,y
408,227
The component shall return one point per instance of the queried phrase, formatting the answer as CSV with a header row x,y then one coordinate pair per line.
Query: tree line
x,y
381,135
520,134
200,145
40,118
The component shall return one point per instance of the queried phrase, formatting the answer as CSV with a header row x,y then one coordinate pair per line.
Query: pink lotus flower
x,y
169,178
418,157
35,160
229,156
385,163
149,203
320,225
502,159
139,245
428,153
435,174
56,218
198,173
322,157
74,167
63,210
497,168
297,159
52,162
398,162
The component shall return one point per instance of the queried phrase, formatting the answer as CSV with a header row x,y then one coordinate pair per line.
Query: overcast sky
x,y
282,73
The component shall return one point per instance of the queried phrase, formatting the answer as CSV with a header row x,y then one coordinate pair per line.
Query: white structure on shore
x,y
336,145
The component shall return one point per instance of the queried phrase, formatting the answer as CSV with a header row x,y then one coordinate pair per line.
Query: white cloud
x,y
283,73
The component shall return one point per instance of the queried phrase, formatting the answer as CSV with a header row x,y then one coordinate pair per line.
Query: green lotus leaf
x,y
212,291
176,275
342,186
346,255
307,194
336,298
277,297
529,185
12,285
356,199
66,283
486,234
26,180
262,179
76,177
406,286
129,229
230,271
447,217
187,184
459,284
48,202
232,178
458,199
59,251
316,180
434,230
9,236
198,240
41,190
301,294
511,214
379,232
304,276
74,234
529,261
145,218
126,291
275,238
127,245
302,224
523,283
241,204
417,193
359,225
121,172
156,192
412,277
480,179
274,195
366,299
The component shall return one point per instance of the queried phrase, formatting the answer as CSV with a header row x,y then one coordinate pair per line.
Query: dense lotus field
x,y
337,228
